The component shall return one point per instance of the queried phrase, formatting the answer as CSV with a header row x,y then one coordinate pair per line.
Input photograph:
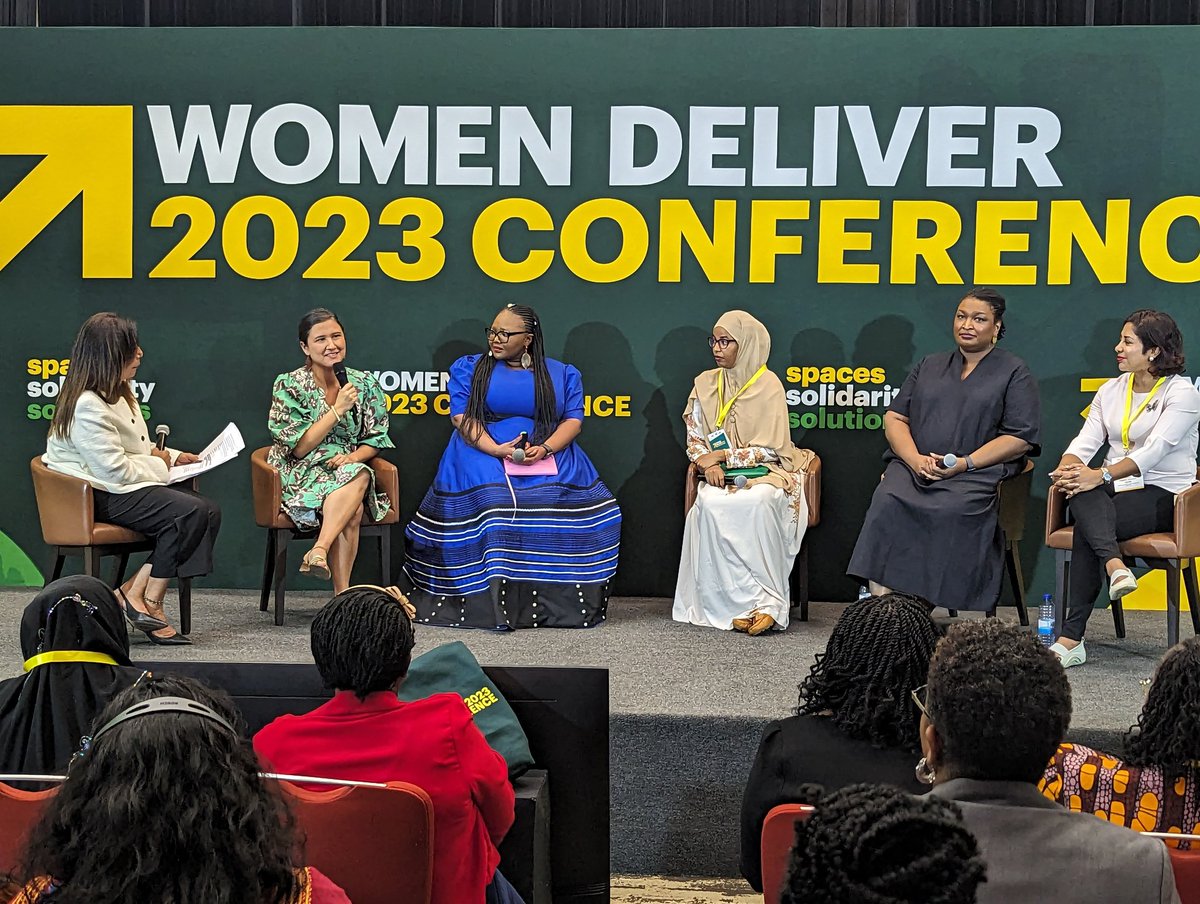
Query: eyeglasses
x,y
918,697
502,335
724,342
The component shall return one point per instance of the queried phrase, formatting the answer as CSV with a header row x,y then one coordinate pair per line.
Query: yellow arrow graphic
x,y
88,151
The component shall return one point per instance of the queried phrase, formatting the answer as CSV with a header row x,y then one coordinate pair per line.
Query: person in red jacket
x,y
362,642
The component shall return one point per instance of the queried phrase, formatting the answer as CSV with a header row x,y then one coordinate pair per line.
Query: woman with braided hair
x,y
996,706
518,529
856,721
1156,786
874,844
362,641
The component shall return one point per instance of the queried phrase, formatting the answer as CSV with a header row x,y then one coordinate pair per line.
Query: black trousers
x,y
1103,519
182,523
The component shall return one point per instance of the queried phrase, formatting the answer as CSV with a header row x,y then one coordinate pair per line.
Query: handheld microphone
x,y
740,481
949,460
339,372
162,431
518,454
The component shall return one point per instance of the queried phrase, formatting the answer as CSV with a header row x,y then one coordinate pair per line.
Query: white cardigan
x,y
1162,439
108,446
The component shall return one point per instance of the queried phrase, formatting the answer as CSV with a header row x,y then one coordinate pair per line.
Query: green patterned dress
x,y
296,403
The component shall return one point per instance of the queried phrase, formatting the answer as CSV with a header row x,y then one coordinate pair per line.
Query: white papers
x,y
224,448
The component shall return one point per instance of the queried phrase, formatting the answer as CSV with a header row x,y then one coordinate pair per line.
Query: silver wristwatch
x,y
1108,478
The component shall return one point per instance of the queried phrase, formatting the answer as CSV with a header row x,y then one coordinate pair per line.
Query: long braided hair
x,y
545,405
362,641
1167,733
878,652
874,844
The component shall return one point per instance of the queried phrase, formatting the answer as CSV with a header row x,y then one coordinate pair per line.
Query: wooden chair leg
x,y
185,605
1189,585
1012,558
1118,613
1062,576
385,555
281,545
799,581
91,561
1172,569
268,572
122,564
59,560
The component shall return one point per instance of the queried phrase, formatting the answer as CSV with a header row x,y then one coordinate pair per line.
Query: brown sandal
x,y
742,624
762,624
315,564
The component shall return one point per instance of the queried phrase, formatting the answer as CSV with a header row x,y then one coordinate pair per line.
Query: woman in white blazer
x,y
1147,417
99,435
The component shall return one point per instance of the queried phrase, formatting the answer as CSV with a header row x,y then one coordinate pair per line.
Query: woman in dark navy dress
x,y
932,530
518,529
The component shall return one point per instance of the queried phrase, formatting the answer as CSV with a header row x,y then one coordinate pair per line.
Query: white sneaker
x,y
1068,658
1121,583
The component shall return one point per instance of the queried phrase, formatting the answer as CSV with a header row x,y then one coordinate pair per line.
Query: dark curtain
x,y
601,13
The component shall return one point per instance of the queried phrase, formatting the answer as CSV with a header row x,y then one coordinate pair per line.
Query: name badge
x,y
718,440
1125,484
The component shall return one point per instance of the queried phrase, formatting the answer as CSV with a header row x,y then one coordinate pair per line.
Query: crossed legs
x,y
337,541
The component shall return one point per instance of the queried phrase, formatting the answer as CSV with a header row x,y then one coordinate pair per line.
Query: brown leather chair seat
x,y
267,489
67,513
1175,553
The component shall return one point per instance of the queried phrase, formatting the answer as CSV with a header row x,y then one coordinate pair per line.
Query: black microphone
x,y
163,431
339,371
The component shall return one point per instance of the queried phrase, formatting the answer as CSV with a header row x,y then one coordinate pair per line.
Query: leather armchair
x,y
1175,552
267,490
67,513
798,580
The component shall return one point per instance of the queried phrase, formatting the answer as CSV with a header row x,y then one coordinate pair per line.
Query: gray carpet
x,y
657,666
688,704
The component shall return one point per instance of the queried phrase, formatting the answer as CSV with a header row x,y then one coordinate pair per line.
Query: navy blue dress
x,y
940,540
490,550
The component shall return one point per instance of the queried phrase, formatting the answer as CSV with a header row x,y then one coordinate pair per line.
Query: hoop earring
x,y
925,773
526,361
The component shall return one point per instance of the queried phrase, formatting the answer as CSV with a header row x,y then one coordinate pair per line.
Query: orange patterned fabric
x,y
1137,797
43,888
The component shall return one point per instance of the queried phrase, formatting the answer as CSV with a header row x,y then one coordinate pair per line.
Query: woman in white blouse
x,y
99,435
1148,418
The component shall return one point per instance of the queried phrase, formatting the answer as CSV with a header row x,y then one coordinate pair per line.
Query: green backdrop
x,y
1102,121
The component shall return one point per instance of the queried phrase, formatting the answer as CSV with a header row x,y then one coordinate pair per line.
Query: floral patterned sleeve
x,y
697,445
289,416
751,457
373,405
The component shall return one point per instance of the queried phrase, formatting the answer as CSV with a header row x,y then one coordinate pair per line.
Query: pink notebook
x,y
538,469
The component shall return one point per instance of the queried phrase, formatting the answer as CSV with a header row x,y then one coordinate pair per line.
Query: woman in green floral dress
x,y
324,434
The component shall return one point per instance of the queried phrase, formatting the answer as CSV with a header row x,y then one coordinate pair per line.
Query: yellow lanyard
x,y
1127,421
67,656
723,409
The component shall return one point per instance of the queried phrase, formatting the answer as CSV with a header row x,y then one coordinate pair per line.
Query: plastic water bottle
x,y
1046,620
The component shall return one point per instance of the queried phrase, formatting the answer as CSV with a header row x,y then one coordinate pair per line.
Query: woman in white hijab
x,y
739,542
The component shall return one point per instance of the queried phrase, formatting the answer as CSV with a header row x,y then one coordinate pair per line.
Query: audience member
x,y
856,721
1154,789
362,642
875,844
76,654
996,706
164,803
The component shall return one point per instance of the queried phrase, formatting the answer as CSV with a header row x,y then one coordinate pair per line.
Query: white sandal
x,y
1077,655
1121,584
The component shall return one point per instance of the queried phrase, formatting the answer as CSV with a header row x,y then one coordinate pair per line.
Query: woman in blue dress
x,y
518,529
